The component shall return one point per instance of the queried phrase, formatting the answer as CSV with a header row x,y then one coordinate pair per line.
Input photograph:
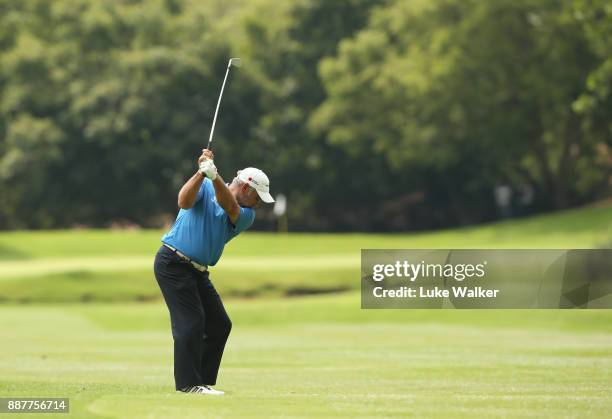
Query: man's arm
x,y
226,199
189,192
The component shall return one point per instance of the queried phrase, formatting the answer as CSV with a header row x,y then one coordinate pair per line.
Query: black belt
x,y
198,266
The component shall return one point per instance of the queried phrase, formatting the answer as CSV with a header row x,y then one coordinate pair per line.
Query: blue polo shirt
x,y
201,231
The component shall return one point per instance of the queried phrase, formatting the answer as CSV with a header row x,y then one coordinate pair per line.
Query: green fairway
x,y
101,265
316,357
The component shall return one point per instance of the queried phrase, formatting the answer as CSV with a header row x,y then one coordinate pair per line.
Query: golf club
x,y
232,62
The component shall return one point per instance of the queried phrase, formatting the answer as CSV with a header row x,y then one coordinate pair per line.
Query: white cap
x,y
258,180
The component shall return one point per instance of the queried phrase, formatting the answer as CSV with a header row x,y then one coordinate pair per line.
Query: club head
x,y
235,62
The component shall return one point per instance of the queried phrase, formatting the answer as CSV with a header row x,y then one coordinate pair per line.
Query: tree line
x,y
370,115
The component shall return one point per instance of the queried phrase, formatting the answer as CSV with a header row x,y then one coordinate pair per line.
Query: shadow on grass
x,y
92,287
302,291
8,253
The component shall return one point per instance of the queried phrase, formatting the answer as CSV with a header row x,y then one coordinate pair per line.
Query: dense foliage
x,y
367,114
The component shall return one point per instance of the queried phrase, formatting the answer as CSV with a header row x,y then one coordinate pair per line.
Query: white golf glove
x,y
208,169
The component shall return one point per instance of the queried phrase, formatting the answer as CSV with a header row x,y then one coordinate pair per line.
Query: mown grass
x,y
316,357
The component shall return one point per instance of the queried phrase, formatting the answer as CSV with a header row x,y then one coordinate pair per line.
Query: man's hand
x,y
206,155
206,164
189,192
208,169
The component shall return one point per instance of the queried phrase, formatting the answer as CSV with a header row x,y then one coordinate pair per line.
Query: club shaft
x,y
212,129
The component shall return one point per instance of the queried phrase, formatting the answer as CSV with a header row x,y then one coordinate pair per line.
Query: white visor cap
x,y
258,180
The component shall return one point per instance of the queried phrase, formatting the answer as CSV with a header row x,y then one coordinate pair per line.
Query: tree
x,y
103,106
476,93
283,45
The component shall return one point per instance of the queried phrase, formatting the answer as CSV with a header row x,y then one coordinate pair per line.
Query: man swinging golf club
x,y
212,213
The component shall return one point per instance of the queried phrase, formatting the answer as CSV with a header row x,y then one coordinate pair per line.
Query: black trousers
x,y
200,325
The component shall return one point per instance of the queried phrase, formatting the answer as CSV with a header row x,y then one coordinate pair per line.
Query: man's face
x,y
247,196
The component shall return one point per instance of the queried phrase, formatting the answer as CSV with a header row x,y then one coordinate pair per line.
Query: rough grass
x,y
102,265
578,228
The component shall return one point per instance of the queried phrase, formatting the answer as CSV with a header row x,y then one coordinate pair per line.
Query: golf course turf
x,y
316,356
294,355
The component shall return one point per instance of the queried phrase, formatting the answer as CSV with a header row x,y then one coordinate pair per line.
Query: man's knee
x,y
227,326
221,329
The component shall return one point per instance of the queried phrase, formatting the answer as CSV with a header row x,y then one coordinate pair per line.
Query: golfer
x,y
212,213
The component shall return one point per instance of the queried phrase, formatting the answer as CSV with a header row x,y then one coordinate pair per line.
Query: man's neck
x,y
233,189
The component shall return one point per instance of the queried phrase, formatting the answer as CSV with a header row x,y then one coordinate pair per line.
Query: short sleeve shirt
x,y
202,231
